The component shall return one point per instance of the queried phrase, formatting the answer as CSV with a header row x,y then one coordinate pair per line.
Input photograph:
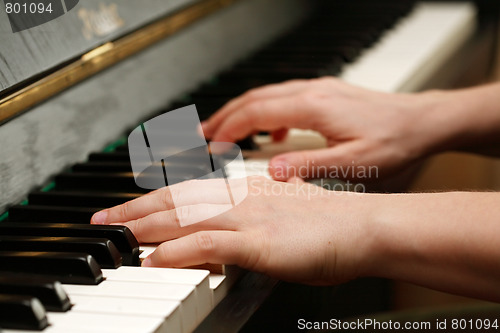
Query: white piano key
x,y
100,322
407,55
219,287
146,250
194,277
152,274
176,292
168,310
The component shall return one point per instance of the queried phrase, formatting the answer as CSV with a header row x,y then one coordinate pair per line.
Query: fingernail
x,y
99,217
279,169
147,262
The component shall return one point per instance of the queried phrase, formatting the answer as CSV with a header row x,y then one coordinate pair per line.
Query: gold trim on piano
x,y
105,56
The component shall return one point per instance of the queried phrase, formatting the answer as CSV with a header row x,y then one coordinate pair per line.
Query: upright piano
x,y
73,88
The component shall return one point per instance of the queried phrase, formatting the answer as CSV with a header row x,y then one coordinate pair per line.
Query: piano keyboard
x,y
356,46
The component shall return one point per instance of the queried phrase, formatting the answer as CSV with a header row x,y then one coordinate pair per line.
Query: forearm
x,y
445,241
466,120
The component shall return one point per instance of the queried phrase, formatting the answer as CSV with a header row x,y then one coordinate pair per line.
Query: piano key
x,y
80,322
121,236
80,199
22,312
76,268
146,250
219,287
194,277
102,249
109,182
188,157
190,309
54,214
116,156
166,309
408,55
275,73
48,291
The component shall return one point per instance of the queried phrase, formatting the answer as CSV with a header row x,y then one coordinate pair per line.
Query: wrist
x,y
439,121
372,226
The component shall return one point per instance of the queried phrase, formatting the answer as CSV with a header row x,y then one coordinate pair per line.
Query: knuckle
x,y
295,81
306,97
137,229
205,244
178,215
253,110
252,94
249,115
124,210
166,197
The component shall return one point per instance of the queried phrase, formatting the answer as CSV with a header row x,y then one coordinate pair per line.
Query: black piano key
x,y
121,236
120,167
108,182
116,156
276,73
102,167
49,291
247,144
66,267
102,249
112,182
53,214
22,313
186,159
80,199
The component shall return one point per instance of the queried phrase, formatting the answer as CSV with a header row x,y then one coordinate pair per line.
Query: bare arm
x,y
300,232
444,241
470,119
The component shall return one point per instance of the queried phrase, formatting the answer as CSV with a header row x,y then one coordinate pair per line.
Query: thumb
x,y
311,164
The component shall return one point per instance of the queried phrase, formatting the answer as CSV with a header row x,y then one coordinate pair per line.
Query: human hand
x,y
363,128
292,231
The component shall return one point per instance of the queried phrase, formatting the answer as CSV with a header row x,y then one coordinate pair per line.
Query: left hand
x,y
292,231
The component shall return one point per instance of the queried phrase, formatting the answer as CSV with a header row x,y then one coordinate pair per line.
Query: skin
x,y
298,232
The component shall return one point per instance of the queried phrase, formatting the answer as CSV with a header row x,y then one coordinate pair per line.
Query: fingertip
x,y
279,169
204,130
99,217
147,262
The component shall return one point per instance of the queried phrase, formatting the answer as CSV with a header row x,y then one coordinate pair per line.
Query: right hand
x,y
363,128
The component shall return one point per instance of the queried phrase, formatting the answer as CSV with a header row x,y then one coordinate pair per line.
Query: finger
x,y
335,162
270,91
155,227
186,193
279,135
216,247
267,114
174,223
152,202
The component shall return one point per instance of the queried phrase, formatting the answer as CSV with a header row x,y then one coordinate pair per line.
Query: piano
x,y
73,88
